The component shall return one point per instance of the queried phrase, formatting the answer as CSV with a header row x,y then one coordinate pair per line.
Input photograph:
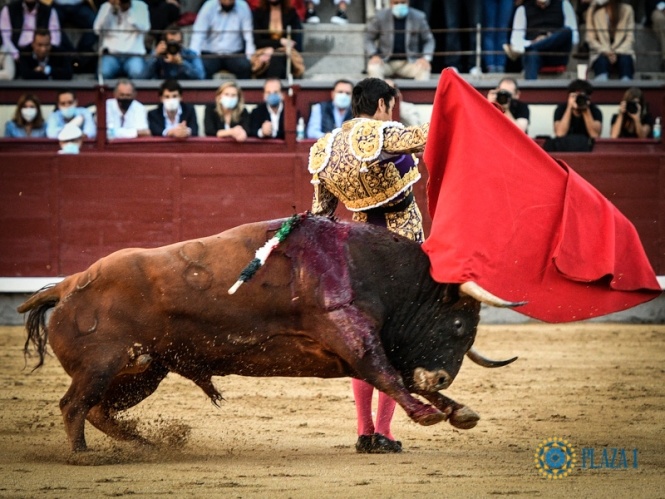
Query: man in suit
x,y
45,62
399,43
173,118
267,120
328,115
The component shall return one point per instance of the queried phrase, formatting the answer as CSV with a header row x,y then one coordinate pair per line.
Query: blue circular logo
x,y
555,458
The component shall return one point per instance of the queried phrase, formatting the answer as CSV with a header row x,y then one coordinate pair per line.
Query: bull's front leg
x,y
459,415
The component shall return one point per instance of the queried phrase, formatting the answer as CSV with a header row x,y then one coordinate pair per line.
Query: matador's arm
x,y
408,139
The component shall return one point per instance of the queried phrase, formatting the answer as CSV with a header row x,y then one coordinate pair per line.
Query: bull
x,y
333,300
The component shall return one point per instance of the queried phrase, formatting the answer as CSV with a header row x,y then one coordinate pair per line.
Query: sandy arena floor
x,y
599,386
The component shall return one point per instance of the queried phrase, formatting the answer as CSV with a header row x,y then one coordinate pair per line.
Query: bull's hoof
x,y
464,418
432,416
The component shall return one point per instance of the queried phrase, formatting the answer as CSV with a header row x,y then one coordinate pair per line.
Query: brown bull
x,y
334,300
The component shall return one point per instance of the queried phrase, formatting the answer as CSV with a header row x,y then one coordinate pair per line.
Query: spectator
x,y
45,62
172,60
68,111
222,34
18,21
28,120
578,116
267,120
173,118
121,26
496,19
125,116
227,117
462,16
271,20
399,52
506,95
610,33
539,27
655,11
80,14
633,121
71,139
340,16
7,65
328,115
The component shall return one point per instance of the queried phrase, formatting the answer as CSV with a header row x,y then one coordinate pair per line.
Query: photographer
x,y
506,96
578,116
121,26
171,60
633,121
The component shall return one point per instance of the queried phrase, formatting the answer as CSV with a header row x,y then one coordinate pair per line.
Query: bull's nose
x,y
431,381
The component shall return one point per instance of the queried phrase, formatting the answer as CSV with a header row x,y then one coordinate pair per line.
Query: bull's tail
x,y
37,306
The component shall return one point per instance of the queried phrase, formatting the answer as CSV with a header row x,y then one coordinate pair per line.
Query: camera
x,y
631,107
582,101
172,48
503,97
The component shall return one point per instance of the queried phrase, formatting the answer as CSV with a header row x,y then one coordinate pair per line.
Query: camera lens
x,y
631,107
172,47
581,101
503,97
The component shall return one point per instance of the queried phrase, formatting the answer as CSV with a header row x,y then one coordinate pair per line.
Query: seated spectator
x,y
7,65
126,117
393,50
462,16
173,118
578,116
79,14
506,95
20,18
610,33
68,111
328,115
541,27
172,60
271,21
163,14
45,62
497,15
121,26
222,34
70,139
27,120
340,16
267,120
227,117
655,11
633,121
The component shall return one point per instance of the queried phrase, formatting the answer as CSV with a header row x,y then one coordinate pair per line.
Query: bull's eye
x,y
458,325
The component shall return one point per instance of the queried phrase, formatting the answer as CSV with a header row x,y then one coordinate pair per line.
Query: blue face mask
x,y
342,100
70,148
400,10
68,112
274,99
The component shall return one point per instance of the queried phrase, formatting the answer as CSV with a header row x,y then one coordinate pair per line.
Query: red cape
x,y
522,225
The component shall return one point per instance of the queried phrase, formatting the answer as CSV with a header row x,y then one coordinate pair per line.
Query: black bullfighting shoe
x,y
383,445
364,444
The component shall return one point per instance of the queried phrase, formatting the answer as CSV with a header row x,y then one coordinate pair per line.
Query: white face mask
x,y
229,102
29,113
171,105
70,148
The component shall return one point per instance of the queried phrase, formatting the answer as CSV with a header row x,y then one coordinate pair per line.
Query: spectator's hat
x,y
69,132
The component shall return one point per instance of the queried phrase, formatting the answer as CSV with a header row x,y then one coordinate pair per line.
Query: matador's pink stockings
x,y
362,392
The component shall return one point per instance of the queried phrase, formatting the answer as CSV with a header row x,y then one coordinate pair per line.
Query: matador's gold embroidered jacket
x,y
368,164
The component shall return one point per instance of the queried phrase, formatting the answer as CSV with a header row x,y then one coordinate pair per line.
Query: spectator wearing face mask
x,y
68,111
27,120
227,117
399,43
126,117
173,118
71,139
267,120
328,115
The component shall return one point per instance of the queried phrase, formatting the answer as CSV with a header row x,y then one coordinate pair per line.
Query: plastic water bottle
x,y
300,129
110,133
657,129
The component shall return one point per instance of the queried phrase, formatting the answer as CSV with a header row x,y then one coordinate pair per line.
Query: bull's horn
x,y
482,295
484,362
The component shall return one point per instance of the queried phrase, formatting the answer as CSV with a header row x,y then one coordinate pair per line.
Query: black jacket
x,y
261,114
157,122
212,122
61,66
